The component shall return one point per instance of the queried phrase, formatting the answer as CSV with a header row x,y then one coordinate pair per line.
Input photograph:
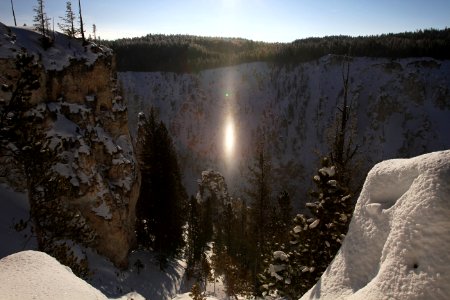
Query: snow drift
x,y
36,275
398,240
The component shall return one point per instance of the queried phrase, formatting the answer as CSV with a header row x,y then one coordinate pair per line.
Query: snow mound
x,y
398,242
36,275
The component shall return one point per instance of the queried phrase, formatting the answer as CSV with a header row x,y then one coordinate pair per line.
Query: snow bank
x,y
57,57
398,243
36,275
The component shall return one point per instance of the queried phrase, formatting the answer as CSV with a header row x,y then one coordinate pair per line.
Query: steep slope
x,y
398,240
401,108
80,167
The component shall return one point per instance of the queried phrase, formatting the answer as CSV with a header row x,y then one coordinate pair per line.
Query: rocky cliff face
x,y
81,119
400,108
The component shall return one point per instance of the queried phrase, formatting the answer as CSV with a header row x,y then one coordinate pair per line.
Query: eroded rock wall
x,y
80,117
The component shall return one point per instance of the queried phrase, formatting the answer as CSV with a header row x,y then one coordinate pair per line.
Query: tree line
x,y
187,53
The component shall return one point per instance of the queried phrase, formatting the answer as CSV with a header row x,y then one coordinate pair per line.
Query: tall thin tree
x,y
68,25
14,14
94,31
42,23
81,22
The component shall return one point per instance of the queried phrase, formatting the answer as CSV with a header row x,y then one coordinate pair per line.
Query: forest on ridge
x,y
187,53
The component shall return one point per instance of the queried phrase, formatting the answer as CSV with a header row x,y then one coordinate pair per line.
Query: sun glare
x,y
229,137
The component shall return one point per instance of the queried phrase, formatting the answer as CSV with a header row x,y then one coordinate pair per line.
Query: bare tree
x,y
81,22
14,14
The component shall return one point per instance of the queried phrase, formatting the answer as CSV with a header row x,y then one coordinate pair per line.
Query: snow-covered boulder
x,y
36,275
398,242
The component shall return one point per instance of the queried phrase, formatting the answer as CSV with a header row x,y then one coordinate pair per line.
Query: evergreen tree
x,y
195,244
315,240
196,293
259,193
162,196
94,31
68,25
41,23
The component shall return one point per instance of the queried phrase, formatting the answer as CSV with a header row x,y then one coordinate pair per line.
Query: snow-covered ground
x,y
396,248
149,281
57,57
398,242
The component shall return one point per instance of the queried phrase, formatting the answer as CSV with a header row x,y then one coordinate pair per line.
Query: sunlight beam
x,y
229,138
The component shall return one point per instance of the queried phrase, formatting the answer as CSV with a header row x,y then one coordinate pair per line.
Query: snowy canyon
x,y
400,108
86,118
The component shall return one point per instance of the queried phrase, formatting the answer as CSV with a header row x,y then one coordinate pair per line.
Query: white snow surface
x,y
36,275
398,242
56,57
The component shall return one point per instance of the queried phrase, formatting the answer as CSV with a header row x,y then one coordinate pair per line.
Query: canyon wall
x,y
400,108
79,117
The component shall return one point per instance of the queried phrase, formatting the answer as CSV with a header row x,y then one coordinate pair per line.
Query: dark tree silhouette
x,y
41,23
68,25
159,209
81,22
14,14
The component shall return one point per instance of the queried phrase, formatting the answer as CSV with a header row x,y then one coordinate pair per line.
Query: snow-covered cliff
x,y
77,116
398,240
401,109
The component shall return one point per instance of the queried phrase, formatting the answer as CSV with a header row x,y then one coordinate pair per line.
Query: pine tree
x,y
41,23
259,194
162,196
94,31
196,293
315,240
194,245
68,25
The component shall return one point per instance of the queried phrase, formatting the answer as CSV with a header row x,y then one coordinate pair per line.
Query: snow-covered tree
x,y
316,238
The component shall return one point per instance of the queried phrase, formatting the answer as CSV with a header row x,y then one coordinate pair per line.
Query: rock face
x,y
82,120
398,240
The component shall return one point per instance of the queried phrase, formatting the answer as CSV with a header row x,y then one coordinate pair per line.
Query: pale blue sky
x,y
262,20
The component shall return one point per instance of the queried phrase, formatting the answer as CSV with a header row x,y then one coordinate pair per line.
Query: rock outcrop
x,y
398,240
81,119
